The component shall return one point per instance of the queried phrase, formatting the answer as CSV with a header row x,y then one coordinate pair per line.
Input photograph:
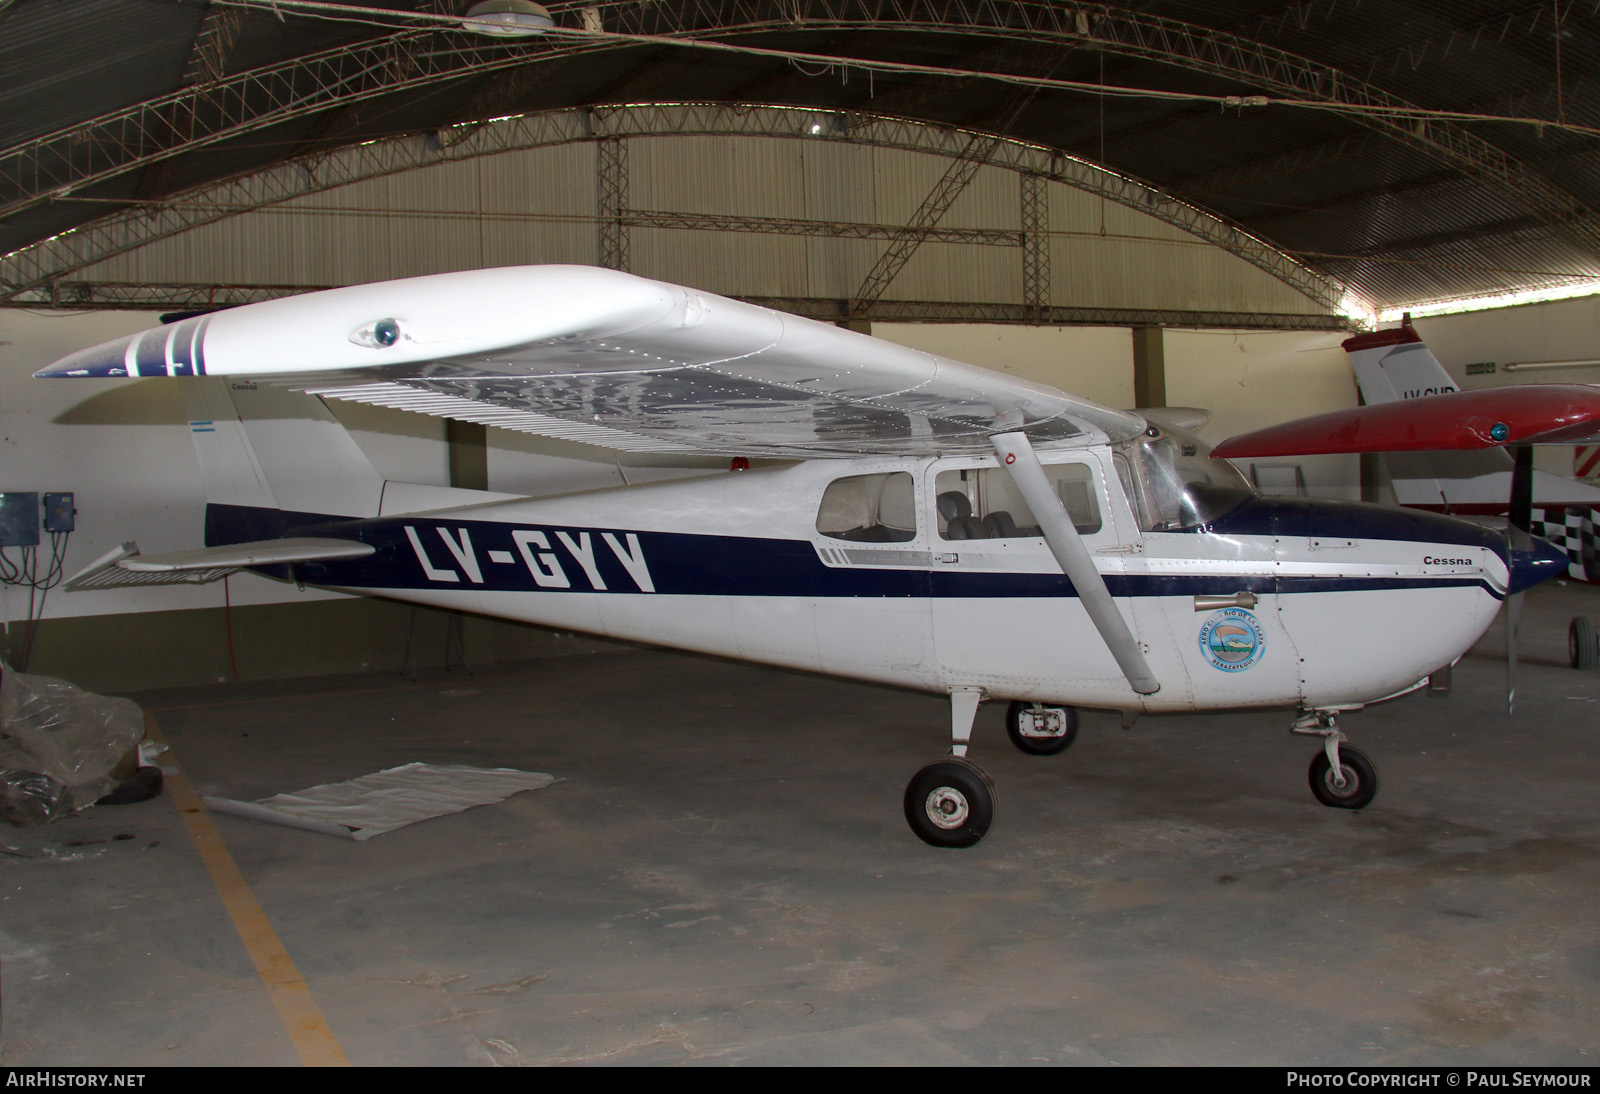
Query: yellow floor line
x,y
298,1011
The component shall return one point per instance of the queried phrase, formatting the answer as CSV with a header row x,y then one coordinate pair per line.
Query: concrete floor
x,y
723,876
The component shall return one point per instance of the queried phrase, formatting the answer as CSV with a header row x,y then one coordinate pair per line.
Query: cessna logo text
x,y
1429,560
555,559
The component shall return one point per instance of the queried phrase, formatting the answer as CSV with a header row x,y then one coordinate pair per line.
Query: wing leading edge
x,y
612,359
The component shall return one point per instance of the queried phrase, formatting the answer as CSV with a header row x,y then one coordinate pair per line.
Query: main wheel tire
x,y
950,803
1583,644
1041,746
1360,780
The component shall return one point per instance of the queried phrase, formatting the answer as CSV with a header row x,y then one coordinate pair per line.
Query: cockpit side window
x,y
983,502
870,508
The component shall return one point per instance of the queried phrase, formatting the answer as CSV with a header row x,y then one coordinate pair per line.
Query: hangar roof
x,y
1410,150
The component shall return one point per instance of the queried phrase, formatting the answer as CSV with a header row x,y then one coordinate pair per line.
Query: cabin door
x,y
1004,616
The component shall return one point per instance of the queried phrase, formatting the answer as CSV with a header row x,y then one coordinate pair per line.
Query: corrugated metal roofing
x,y
1352,196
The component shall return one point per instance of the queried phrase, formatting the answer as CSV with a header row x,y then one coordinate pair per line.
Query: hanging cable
x,y
24,573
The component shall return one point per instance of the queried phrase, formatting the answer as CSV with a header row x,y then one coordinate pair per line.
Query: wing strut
x,y
1017,454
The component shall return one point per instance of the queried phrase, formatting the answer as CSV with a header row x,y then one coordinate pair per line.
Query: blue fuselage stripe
x,y
534,558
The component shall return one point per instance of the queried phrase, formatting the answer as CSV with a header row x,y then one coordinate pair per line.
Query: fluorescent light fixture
x,y
507,18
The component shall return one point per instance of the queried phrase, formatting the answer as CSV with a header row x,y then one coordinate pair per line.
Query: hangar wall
x,y
754,216
1560,330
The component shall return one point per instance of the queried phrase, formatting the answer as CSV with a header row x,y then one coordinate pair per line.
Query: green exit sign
x,y
1482,368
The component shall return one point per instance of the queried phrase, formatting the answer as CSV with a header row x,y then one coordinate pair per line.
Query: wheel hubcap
x,y
947,807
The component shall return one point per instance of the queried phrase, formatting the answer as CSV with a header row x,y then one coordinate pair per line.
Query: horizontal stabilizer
x,y
125,566
1487,418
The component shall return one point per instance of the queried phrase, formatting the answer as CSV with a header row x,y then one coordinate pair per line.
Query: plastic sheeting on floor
x,y
375,804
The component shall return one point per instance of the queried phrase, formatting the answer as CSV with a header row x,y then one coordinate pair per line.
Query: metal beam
x,y
611,184
56,259
1035,201
208,59
957,174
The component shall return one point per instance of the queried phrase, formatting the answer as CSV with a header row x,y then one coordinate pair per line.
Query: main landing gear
x,y
1041,730
1340,777
951,802
1583,645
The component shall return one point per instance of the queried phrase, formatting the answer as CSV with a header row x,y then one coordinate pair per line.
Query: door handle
x,y
1213,602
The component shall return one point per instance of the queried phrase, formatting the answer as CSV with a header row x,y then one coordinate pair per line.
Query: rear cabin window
x,y
869,509
983,502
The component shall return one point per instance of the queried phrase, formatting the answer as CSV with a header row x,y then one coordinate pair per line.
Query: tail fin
x,y
1392,365
264,447
1395,365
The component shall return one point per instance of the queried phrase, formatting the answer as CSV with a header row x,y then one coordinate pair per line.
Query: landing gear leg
x,y
1341,778
951,802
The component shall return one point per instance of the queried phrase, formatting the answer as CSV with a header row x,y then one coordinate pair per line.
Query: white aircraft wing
x,y
612,359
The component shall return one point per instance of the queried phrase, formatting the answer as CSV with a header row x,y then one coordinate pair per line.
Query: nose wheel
x,y
1341,777
1352,785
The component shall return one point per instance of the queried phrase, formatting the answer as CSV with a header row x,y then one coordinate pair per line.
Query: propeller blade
x,y
1513,620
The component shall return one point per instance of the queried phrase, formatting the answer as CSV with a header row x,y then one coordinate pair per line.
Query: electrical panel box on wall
x,y
19,519
59,515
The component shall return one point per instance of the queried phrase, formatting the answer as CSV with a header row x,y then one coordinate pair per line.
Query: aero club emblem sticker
x,y
1232,640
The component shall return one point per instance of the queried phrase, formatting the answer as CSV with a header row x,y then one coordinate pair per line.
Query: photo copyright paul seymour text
x,y
1458,1078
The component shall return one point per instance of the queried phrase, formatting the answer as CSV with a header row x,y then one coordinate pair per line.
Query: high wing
x,y
612,359
1489,418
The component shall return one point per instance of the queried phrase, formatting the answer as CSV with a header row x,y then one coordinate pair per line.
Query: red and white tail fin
x,y
1394,365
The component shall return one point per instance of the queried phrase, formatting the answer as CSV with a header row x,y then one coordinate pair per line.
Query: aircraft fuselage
x,y
1274,602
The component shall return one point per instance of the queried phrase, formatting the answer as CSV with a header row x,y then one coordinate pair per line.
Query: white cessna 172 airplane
x,y
943,528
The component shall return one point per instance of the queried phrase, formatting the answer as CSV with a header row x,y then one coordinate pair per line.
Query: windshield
x,y
1179,486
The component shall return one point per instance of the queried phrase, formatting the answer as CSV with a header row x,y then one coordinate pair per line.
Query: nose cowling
x,y
1539,561
1529,561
